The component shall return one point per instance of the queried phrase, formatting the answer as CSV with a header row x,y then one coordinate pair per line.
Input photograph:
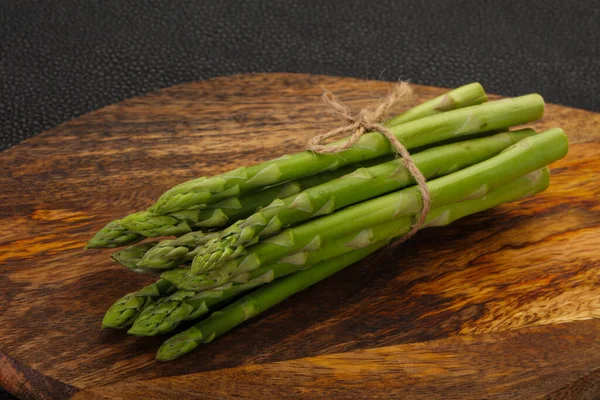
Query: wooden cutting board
x,y
503,304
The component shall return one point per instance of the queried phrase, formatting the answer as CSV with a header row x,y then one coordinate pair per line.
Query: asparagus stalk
x,y
521,158
125,310
420,132
113,234
130,256
464,96
189,304
269,295
362,184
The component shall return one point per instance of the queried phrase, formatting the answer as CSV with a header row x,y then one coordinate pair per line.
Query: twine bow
x,y
371,120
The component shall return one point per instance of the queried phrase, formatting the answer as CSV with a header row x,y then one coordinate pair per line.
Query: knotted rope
x,y
372,120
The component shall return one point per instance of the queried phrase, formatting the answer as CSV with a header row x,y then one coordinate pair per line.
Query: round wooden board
x,y
503,304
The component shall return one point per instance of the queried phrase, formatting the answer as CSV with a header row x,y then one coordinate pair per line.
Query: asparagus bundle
x,y
291,222
197,214
528,155
167,254
165,314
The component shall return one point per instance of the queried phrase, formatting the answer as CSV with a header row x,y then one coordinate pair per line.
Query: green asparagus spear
x,y
464,121
464,96
271,294
168,312
521,158
125,310
111,235
360,185
130,256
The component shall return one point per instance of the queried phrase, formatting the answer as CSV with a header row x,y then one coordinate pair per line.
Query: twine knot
x,y
372,120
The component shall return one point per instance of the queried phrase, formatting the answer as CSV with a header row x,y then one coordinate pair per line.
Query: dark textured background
x,y
61,59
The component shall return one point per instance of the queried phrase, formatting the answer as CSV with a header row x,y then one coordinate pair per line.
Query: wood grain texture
x,y
505,304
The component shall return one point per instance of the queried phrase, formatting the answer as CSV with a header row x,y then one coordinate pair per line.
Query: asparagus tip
x,y
136,331
175,347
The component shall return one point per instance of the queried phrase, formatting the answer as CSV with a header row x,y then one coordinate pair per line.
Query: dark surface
x,y
61,59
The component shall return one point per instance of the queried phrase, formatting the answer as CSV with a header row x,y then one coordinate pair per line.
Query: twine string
x,y
368,120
